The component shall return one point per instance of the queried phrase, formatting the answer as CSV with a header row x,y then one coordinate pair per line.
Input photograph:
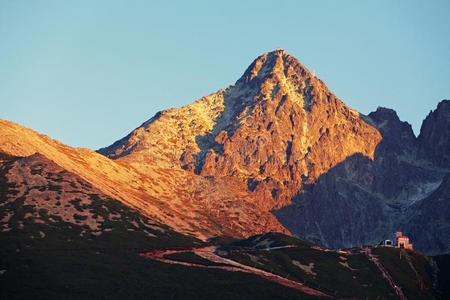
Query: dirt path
x,y
209,254
368,252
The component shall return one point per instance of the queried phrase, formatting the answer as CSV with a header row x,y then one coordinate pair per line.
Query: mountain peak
x,y
275,129
386,120
433,138
397,135
277,64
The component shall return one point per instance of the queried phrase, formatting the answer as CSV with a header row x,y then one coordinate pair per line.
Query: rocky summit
x,y
276,129
276,151
330,174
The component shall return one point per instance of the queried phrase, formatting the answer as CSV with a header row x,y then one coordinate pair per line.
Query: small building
x,y
403,241
387,243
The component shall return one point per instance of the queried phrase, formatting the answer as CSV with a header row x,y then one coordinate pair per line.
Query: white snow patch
x,y
306,268
424,190
254,258
264,243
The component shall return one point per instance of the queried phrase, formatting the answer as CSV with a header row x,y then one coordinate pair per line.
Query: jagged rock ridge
x,y
335,176
277,141
363,201
277,128
434,141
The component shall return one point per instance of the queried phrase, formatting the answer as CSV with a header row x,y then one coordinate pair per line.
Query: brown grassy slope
x,y
186,202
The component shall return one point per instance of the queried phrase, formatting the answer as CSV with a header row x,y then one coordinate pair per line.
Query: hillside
x,y
63,238
188,203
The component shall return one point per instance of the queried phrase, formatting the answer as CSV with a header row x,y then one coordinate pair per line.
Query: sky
x,y
88,72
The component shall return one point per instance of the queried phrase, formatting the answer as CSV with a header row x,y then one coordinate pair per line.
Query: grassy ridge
x,y
105,269
396,262
43,257
326,272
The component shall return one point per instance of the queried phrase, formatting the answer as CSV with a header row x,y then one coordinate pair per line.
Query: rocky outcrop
x,y
278,142
329,174
434,141
277,128
396,169
363,201
428,221
398,136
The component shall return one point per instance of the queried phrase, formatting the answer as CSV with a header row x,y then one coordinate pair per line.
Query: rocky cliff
x,y
276,143
363,201
428,220
434,138
329,174
277,128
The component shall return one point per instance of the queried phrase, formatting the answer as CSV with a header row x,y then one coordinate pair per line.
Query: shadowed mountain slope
x,y
362,201
63,238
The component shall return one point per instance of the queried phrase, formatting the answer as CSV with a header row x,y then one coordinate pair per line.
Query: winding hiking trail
x,y
368,252
230,265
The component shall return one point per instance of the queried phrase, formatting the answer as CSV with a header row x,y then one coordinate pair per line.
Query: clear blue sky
x,y
88,72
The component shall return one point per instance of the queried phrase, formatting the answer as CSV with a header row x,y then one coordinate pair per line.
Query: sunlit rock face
x,y
277,128
329,174
277,151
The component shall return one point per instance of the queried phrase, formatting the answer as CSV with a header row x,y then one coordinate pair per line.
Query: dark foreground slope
x,y
62,238
443,275
345,274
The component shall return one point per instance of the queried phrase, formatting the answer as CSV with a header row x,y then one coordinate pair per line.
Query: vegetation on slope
x,y
341,274
43,256
410,269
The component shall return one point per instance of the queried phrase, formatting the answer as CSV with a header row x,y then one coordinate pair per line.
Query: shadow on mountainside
x,y
362,201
